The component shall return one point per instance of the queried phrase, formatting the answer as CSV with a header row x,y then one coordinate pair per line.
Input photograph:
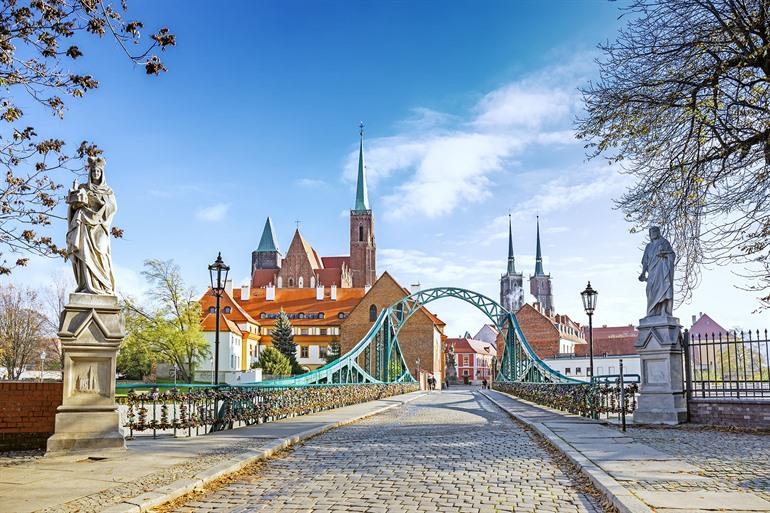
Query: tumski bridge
x,y
374,368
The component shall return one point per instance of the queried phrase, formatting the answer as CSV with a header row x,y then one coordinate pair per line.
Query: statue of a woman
x,y
658,272
91,209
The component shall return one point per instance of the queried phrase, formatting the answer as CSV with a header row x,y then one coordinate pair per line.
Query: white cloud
x,y
439,162
213,213
311,183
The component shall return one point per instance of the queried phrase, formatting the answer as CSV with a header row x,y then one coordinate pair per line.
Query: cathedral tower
x,y
511,283
540,283
362,246
267,255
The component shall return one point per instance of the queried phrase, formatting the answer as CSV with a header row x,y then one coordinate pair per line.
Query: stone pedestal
x,y
91,331
662,398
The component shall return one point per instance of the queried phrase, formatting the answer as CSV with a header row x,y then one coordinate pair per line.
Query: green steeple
x,y
511,262
538,254
268,242
362,194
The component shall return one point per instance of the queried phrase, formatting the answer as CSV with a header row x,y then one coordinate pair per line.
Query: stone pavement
x,y
674,470
153,469
448,451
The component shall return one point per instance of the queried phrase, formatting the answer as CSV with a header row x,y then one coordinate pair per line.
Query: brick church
x,y
302,267
512,283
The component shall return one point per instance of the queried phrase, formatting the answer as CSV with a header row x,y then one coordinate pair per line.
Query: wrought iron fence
x,y
185,410
600,399
727,365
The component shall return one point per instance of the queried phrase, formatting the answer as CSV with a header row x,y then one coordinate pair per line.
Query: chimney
x,y
366,289
319,293
270,293
245,292
693,318
415,287
229,287
333,293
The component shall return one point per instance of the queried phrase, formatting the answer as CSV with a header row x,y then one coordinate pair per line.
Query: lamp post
x,y
42,365
589,305
216,272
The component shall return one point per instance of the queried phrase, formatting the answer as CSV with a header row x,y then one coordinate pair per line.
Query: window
x,y
372,313
465,360
465,372
323,331
312,282
577,370
612,370
360,233
291,282
599,370
304,351
280,282
304,331
212,309
300,282
228,309
322,351
567,371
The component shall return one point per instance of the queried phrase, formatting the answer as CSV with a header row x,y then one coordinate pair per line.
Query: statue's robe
x,y
660,276
88,239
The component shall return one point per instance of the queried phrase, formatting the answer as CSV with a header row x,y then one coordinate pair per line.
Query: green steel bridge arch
x,y
377,357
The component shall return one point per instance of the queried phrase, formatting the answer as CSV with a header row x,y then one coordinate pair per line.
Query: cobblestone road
x,y
449,451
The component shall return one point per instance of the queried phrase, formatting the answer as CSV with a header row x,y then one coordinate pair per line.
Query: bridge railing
x,y
192,410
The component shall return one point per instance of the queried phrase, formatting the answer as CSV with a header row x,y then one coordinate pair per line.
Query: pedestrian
x,y
484,383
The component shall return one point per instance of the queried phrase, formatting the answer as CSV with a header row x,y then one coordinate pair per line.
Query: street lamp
x,y
42,365
589,305
218,281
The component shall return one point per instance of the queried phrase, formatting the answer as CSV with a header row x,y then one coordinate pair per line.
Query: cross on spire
x,y
297,222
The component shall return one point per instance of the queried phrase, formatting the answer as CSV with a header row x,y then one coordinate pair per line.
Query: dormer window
x,y
227,309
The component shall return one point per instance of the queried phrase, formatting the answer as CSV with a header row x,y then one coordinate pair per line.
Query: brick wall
x,y
27,412
416,338
540,332
730,412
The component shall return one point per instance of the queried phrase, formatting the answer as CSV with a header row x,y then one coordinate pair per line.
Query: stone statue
x,y
91,209
658,272
91,325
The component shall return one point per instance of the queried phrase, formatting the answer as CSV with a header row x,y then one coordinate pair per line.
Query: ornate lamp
x,y
218,272
589,305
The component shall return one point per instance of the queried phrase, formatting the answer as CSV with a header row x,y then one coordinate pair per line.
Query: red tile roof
x,y
263,277
335,262
469,345
612,341
301,301
330,276
225,324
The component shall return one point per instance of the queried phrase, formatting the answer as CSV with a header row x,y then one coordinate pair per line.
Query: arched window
x,y
291,282
372,313
228,309
280,282
312,282
400,311
300,282
360,233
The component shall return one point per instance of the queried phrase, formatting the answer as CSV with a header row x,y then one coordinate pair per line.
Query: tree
x,y
334,351
54,298
36,46
683,105
22,329
283,340
169,329
273,362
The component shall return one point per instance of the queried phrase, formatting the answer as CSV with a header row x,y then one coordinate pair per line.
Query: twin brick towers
x,y
512,283
302,267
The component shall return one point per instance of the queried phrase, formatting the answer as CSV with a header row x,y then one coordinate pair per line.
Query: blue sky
x,y
469,110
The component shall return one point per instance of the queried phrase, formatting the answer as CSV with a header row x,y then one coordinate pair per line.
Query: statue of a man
x,y
658,272
91,209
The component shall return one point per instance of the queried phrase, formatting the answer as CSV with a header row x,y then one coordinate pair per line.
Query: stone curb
x,y
181,487
621,498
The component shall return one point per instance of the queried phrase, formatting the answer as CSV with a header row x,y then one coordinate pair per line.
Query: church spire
x,y
362,193
267,242
511,260
538,254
